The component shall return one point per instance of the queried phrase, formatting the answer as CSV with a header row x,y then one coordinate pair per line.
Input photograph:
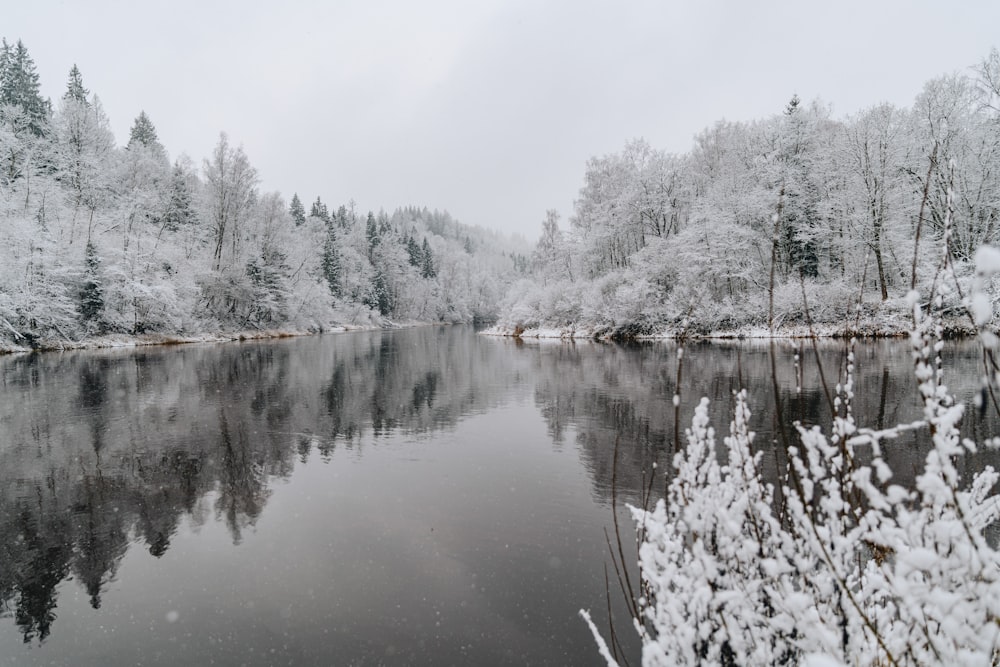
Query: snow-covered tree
x,y
74,87
297,211
20,86
232,191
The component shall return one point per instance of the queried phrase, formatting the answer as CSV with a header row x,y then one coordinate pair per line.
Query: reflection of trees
x,y
242,482
624,393
96,447
39,563
166,490
100,536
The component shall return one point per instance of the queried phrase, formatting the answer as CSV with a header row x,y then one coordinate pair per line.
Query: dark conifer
x,y
143,133
427,269
330,263
297,211
179,210
91,292
74,87
319,210
19,86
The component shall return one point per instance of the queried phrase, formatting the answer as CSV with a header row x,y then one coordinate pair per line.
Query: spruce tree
x,y
19,86
330,263
319,210
91,292
297,211
143,133
179,210
342,220
371,233
413,250
427,269
378,297
74,87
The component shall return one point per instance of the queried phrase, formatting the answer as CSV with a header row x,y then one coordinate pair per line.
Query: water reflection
x,y
623,393
134,439
105,452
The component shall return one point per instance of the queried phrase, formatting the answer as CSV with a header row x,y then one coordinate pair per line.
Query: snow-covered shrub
x,y
848,568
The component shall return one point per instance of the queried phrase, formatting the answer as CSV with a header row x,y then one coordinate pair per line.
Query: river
x,y
418,497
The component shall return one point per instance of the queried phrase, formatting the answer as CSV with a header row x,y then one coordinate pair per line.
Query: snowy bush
x,y
835,563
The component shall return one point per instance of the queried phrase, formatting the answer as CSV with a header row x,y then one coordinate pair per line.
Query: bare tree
x,y
232,193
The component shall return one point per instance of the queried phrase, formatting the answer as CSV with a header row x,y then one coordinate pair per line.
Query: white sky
x,y
488,109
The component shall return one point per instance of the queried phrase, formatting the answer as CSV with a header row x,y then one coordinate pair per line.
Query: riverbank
x,y
143,340
888,328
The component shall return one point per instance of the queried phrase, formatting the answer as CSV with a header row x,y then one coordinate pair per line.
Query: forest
x,y
99,240
797,223
774,224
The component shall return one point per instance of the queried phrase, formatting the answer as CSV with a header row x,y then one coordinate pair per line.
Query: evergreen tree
x,y
342,217
378,298
19,86
297,211
371,233
800,192
74,87
414,252
91,292
427,269
319,210
330,263
143,133
793,105
179,210
267,275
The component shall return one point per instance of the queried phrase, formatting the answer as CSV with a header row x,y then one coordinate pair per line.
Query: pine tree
x,y
330,263
319,210
378,297
267,275
414,252
371,233
793,105
179,210
91,292
143,133
342,220
19,86
427,269
74,87
297,211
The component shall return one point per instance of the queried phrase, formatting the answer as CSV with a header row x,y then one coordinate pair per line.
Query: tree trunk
x,y
878,259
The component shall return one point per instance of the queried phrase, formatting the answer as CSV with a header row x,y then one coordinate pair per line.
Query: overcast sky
x,y
487,109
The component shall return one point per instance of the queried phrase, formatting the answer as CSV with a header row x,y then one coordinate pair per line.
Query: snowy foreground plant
x,y
839,566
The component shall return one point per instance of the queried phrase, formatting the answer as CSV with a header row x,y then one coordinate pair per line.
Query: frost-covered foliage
x,y
101,239
657,239
834,563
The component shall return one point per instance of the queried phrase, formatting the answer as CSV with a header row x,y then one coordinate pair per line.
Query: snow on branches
x,y
834,564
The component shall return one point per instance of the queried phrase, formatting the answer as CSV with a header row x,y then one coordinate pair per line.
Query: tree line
x,y
848,212
100,239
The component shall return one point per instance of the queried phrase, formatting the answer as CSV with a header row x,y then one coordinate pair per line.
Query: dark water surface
x,y
420,497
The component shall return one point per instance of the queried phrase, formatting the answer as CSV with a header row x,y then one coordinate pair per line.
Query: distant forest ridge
x,y
97,239
767,225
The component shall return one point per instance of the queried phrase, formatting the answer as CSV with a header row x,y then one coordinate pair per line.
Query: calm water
x,y
421,497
